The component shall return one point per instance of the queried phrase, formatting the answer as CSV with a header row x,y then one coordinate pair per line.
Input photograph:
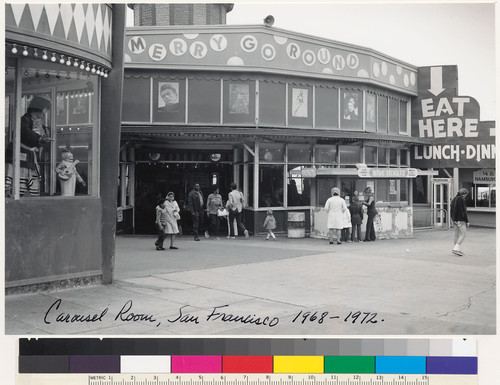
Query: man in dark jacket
x,y
195,204
458,212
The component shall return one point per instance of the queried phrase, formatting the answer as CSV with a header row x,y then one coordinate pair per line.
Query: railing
x,y
425,219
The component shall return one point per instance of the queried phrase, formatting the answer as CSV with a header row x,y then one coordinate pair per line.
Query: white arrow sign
x,y
436,81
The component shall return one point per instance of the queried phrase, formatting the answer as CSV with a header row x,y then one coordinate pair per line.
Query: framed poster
x,y
239,98
299,102
168,97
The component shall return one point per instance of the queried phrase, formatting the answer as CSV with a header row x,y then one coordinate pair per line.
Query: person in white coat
x,y
335,207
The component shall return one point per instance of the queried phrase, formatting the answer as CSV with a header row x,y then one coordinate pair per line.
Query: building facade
x,y
63,83
284,115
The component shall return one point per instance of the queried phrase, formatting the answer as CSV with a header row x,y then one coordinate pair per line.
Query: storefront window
x,y
250,185
485,195
370,155
58,132
393,157
299,153
382,156
271,186
298,187
10,77
326,154
349,155
324,188
420,189
403,190
271,152
404,157
392,190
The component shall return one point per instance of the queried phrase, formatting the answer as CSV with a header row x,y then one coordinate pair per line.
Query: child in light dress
x,y
270,225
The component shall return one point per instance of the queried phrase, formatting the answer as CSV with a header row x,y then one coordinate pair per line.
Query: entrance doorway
x,y
441,198
154,181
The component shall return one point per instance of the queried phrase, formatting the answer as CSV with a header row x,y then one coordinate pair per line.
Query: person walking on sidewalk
x,y
371,212
235,207
269,225
173,215
335,207
458,212
161,221
195,205
214,204
356,210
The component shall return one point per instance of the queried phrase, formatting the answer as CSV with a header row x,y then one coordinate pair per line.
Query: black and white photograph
x,y
239,98
168,100
356,197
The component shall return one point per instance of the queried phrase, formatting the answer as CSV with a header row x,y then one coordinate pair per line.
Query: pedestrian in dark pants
x,y
458,212
161,222
356,210
195,204
235,207
214,204
371,212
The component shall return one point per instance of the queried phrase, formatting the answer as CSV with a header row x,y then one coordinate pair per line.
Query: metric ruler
x,y
245,379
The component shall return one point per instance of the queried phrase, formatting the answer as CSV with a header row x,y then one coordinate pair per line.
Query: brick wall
x,y
180,14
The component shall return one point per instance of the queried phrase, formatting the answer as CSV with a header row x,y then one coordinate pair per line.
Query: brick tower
x,y
180,14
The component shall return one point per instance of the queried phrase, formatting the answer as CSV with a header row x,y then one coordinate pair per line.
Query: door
x,y
441,198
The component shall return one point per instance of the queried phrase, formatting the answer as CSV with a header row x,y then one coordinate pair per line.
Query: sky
x,y
421,34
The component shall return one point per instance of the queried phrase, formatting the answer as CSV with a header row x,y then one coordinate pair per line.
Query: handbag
x,y
222,213
177,216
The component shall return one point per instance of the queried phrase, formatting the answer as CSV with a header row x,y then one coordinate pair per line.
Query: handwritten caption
x,y
55,314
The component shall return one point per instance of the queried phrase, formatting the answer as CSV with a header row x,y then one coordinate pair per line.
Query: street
x,y
283,287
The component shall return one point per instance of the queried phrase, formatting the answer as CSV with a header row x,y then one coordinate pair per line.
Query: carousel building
x,y
284,115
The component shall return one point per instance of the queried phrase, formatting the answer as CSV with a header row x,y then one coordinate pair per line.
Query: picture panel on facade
x,y
300,105
371,112
352,110
169,100
239,102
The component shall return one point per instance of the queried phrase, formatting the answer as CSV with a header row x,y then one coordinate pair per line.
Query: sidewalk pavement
x,y
283,287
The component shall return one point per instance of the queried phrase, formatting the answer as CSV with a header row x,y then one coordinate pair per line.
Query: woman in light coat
x,y
172,211
335,207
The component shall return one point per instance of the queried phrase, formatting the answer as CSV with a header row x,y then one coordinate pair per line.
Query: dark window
x,y
393,117
136,99
272,104
327,107
382,114
204,101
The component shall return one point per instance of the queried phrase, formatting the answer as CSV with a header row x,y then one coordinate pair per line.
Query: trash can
x,y
296,225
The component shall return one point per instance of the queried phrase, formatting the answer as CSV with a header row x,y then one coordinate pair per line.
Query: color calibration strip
x,y
248,364
234,355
